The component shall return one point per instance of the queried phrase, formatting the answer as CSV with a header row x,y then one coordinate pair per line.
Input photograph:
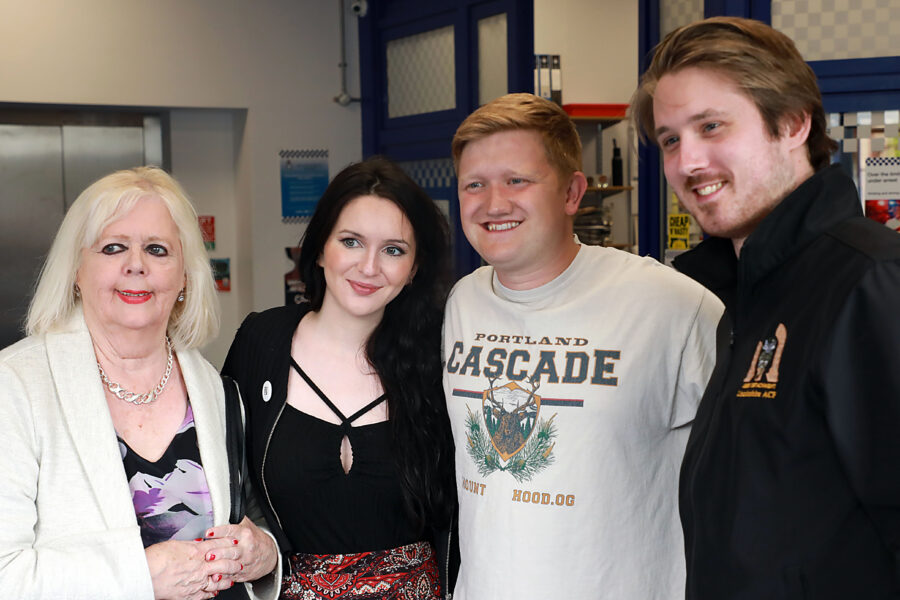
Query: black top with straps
x,y
323,509
259,360
346,422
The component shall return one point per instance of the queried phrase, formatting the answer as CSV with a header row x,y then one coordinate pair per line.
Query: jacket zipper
x,y
448,595
263,471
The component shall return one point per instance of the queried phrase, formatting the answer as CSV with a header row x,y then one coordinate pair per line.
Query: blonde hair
x,y
527,112
191,323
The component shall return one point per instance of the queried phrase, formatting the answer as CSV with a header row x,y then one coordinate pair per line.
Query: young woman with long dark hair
x,y
348,436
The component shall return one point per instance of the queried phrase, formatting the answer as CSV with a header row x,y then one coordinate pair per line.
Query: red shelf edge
x,y
596,111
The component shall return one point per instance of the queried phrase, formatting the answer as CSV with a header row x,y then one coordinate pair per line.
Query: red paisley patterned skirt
x,y
406,573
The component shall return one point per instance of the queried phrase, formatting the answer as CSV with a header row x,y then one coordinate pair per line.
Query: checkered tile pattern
x,y
303,153
840,29
883,161
675,13
848,128
433,174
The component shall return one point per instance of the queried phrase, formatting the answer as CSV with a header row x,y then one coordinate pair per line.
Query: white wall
x,y
597,41
203,159
269,67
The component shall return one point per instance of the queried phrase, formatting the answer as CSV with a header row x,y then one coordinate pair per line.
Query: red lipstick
x,y
133,296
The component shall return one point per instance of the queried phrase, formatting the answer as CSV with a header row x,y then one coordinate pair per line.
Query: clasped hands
x,y
199,569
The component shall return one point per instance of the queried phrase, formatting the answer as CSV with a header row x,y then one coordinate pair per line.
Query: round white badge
x,y
267,391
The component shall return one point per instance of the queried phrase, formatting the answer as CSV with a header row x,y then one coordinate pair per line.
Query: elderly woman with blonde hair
x,y
115,478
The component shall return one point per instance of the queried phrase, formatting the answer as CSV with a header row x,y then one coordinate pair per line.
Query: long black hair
x,y
405,347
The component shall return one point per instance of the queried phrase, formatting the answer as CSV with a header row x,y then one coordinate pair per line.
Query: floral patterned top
x,y
170,496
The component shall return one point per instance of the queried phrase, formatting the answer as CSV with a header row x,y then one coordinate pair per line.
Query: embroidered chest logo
x,y
509,434
761,380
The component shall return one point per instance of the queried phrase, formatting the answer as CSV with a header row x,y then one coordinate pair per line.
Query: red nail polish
x,y
234,542
242,566
198,539
219,577
231,584
211,557
209,533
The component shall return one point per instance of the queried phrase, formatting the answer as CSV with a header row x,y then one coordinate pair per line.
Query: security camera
x,y
359,7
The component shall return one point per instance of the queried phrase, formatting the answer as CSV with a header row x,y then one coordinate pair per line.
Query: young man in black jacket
x,y
790,486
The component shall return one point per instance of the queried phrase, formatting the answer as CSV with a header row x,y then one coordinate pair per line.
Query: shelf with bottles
x,y
606,137
592,122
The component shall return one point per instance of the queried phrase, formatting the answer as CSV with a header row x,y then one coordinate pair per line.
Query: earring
x,y
181,296
77,291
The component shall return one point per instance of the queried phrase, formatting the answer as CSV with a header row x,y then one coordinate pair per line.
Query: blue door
x,y
424,66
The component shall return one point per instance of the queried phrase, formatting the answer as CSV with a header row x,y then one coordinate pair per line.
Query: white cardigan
x,y
67,522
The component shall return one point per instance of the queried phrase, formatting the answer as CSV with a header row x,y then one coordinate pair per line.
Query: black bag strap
x,y
234,443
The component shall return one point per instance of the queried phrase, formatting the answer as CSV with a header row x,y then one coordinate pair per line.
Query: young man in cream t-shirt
x,y
572,374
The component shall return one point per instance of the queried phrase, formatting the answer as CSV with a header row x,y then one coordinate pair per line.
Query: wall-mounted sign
x,y
304,177
883,190
679,231
208,229
221,268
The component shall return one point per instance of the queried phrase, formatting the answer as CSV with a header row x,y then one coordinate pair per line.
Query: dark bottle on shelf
x,y
616,165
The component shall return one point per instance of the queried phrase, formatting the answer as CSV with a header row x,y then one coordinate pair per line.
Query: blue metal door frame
x,y
651,187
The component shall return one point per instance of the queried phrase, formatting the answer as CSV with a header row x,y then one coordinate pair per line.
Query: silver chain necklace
x,y
123,394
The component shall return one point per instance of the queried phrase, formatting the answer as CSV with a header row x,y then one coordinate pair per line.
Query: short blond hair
x,y
526,112
191,323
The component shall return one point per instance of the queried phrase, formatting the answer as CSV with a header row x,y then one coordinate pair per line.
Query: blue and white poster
x,y
304,177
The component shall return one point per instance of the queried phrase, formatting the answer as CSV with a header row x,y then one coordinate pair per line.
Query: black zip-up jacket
x,y
261,352
790,486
